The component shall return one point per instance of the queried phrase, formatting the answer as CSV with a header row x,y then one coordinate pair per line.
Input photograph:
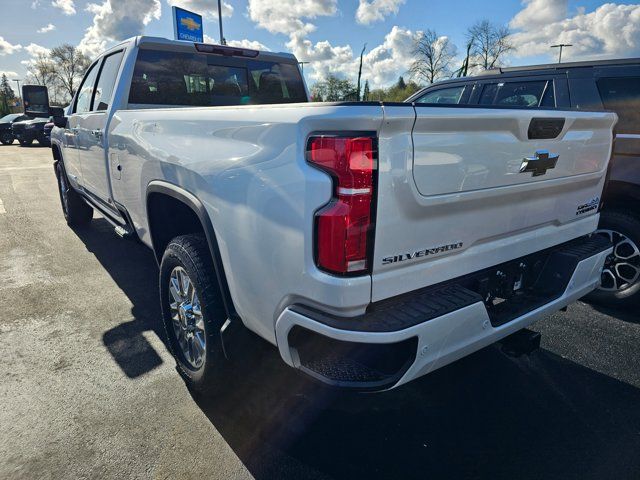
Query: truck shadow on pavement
x,y
485,416
133,267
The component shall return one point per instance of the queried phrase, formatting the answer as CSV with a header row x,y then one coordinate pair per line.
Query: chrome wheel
x,y
622,267
187,319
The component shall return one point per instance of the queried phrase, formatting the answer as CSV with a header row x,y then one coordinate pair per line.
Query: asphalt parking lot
x,y
89,390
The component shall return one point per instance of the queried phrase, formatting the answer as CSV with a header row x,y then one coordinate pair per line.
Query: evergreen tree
x,y
6,95
365,95
401,84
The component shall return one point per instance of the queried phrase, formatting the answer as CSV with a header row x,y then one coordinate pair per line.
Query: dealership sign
x,y
187,25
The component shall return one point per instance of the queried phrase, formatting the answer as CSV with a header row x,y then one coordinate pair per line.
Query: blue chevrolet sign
x,y
187,25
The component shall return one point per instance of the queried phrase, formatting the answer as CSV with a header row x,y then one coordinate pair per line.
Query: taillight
x,y
343,227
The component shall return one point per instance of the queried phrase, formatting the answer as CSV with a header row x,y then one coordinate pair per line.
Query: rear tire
x,y
6,138
75,209
193,312
621,277
26,143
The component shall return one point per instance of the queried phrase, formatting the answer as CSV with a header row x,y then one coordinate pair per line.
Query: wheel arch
x,y
161,193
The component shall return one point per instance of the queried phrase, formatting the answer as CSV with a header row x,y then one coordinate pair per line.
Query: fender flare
x,y
191,201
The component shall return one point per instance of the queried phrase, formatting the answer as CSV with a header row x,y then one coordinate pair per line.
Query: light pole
x,y
19,92
561,46
302,64
222,40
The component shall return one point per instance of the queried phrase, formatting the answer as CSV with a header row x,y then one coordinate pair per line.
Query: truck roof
x,y
181,44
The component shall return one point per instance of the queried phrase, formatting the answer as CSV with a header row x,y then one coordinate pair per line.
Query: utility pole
x,y
19,92
222,40
561,46
360,72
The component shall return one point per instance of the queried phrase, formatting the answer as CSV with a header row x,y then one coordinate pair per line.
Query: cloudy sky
x,y
328,33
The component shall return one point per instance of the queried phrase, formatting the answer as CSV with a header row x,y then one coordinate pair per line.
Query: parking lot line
x,y
2,210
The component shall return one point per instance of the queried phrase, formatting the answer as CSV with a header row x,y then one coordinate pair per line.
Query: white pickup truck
x,y
371,243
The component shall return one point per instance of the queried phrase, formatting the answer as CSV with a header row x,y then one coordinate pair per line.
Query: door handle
x,y
545,128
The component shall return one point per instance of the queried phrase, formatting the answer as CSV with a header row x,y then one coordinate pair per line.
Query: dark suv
x,y
602,85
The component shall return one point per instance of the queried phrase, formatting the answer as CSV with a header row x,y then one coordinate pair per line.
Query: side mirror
x,y
56,112
36,100
60,122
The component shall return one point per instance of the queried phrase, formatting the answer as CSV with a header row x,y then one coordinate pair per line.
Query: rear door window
x,y
451,96
622,95
107,81
197,79
519,94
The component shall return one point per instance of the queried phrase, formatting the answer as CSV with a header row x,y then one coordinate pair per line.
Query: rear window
x,y
197,79
622,95
519,94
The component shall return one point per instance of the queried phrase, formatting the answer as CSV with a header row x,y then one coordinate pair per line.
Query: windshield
x,y
10,117
196,79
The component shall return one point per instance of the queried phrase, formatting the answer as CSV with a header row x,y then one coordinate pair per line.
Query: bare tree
x,y
70,65
489,44
433,56
41,70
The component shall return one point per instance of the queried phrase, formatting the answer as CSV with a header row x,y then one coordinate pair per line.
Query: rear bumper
x,y
434,326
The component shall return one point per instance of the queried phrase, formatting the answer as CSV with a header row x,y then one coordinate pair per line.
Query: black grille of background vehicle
x,y
18,128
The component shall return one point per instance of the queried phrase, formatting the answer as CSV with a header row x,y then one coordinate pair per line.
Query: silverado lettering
x,y
420,253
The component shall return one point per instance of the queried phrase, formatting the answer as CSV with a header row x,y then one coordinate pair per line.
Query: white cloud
x,y
385,63
48,28
289,16
116,20
246,43
539,13
68,7
6,48
206,8
376,10
35,4
611,30
382,65
33,49
9,73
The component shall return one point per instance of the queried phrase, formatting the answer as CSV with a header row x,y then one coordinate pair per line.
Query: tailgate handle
x,y
545,128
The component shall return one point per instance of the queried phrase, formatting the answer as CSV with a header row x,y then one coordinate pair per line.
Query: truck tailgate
x,y
469,188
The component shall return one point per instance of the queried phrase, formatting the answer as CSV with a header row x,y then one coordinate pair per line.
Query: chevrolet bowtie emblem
x,y
539,163
190,23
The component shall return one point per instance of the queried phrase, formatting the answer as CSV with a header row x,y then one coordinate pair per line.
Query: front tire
x,y
620,285
75,209
193,311
26,143
6,138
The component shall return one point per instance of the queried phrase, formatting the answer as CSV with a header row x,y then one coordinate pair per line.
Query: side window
x,y
518,94
622,95
85,92
107,81
443,95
